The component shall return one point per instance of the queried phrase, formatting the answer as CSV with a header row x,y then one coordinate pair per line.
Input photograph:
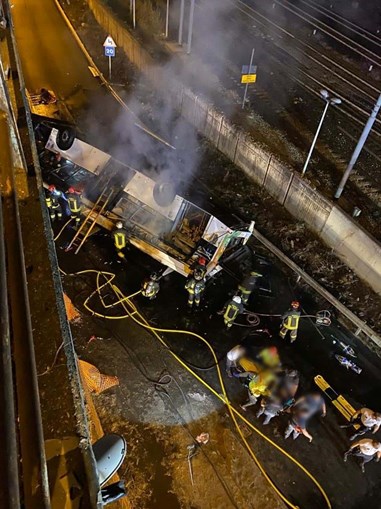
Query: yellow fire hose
x,y
126,302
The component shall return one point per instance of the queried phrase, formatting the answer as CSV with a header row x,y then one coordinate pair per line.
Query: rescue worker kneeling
x,y
151,286
290,321
232,309
53,204
120,238
195,286
75,205
259,386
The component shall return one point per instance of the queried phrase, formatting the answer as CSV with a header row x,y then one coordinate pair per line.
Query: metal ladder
x,y
90,221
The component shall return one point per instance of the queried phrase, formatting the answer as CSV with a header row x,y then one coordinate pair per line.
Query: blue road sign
x,y
245,69
109,51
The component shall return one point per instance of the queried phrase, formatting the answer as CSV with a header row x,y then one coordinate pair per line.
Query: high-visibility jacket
x,y
51,201
150,288
259,385
74,202
195,286
291,319
248,284
232,310
120,239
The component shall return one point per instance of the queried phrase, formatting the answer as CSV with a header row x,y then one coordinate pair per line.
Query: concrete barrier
x,y
355,246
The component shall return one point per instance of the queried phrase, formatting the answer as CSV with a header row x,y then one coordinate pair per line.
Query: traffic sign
x,y
248,78
109,42
245,69
109,51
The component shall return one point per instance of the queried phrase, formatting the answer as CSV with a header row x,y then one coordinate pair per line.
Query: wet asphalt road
x,y
312,354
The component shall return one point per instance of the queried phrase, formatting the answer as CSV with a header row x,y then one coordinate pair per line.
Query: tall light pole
x,y
181,22
167,20
190,27
329,100
359,146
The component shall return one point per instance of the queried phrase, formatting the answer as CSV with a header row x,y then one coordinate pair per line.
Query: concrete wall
x,y
355,246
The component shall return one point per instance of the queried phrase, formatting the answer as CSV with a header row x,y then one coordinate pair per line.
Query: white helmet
x,y
237,299
236,353
119,225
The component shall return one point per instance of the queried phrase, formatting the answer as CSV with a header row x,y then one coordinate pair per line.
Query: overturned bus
x,y
162,224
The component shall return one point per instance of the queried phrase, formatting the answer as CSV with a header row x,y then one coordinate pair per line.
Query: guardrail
x,y
76,388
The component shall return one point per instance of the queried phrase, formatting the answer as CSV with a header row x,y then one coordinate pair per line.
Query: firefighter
x,y
120,238
53,204
232,309
75,204
195,286
151,286
290,321
247,286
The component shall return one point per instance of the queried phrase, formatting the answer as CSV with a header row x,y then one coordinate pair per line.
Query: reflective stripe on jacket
x,y
120,239
194,286
232,311
248,284
74,203
291,320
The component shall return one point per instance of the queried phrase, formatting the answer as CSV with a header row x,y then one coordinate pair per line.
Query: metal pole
x,y
167,21
247,85
131,7
181,22
109,68
359,146
134,13
190,27
315,138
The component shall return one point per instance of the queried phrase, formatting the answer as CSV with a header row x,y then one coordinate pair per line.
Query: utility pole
x,y
359,146
249,72
190,27
134,13
181,22
328,100
167,21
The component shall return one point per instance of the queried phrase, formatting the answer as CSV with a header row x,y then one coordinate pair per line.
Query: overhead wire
x,y
132,312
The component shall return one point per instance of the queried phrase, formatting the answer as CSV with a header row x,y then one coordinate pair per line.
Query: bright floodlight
x,y
324,93
336,100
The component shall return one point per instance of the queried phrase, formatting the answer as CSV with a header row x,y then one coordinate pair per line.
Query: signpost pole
x,y
181,22
109,68
167,21
246,86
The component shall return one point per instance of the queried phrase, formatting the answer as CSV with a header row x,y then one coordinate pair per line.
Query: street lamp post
x,y
329,100
167,21
190,26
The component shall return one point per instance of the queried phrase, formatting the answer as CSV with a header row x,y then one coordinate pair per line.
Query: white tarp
x,y
141,188
80,153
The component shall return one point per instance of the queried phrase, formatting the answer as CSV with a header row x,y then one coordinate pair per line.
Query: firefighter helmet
x,y
237,299
119,225
198,274
52,188
201,261
71,190
295,304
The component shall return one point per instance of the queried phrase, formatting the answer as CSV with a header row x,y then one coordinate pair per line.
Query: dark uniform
x,y
53,204
150,288
247,286
195,287
75,206
290,323
232,310
120,240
